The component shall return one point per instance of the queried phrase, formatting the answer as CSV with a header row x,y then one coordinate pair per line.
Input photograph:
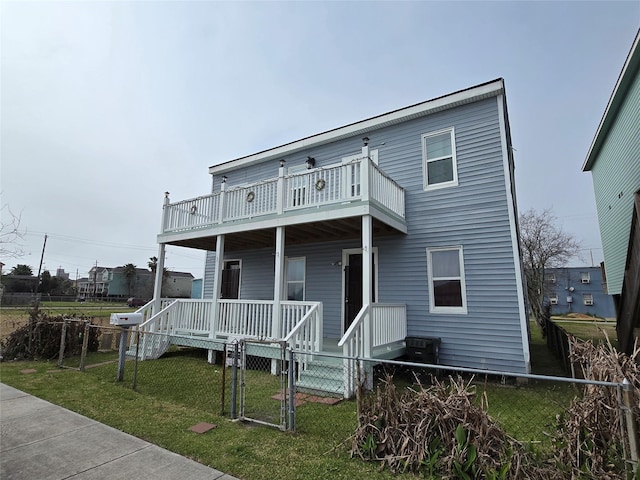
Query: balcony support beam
x,y
367,286
217,282
278,284
278,281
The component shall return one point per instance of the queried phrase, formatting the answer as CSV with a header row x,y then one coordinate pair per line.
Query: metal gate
x,y
262,376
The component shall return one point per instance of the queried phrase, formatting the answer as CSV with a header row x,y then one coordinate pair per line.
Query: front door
x,y
230,287
353,286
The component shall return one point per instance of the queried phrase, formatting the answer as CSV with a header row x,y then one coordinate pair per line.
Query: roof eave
x,y
478,92
625,79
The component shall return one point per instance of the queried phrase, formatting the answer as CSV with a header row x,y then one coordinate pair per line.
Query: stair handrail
x,y
312,343
357,324
147,325
353,345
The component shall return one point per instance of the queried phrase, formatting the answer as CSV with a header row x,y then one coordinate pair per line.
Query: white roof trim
x,y
421,109
603,129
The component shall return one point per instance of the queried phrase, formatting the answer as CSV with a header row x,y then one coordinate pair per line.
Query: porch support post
x,y
367,287
277,294
278,284
157,286
217,281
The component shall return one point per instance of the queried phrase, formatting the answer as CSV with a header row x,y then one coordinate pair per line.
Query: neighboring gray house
x,y
403,224
614,163
578,290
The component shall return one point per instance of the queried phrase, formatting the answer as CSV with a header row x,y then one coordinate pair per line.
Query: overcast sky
x,y
106,105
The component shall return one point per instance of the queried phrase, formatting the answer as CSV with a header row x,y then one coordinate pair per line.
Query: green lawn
x,y
162,413
182,389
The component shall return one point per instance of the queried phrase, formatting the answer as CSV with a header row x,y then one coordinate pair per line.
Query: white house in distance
x,y
353,239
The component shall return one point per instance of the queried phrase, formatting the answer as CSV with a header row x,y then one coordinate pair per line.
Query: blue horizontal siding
x,y
474,214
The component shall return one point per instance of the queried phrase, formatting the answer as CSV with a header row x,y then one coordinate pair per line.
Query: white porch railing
x,y
360,179
246,318
388,324
306,335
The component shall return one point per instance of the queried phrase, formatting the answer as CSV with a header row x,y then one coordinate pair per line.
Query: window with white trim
x,y
447,290
439,163
587,299
585,277
551,278
553,299
295,278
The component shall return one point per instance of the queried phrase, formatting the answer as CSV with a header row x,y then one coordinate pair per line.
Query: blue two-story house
x,y
350,240
578,290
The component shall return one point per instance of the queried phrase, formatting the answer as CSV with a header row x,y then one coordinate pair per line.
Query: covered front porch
x,y
341,206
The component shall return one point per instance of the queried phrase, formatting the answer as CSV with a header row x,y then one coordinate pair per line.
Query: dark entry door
x,y
353,287
230,287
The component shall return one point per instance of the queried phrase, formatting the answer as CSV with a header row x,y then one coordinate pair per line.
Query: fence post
x,y
62,341
134,384
85,345
224,377
234,381
632,427
358,391
292,392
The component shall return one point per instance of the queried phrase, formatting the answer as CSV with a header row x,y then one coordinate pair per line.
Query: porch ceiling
x,y
313,232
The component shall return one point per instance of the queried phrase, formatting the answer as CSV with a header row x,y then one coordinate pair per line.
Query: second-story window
x,y
439,159
585,277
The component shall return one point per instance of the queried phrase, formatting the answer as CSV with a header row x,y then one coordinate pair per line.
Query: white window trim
x,y
286,279
587,299
553,299
585,277
463,286
551,278
425,161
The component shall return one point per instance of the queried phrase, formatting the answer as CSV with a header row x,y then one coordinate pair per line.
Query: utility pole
x,y
37,305
32,317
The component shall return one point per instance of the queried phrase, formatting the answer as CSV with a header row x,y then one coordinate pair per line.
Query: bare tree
x,y
544,245
10,234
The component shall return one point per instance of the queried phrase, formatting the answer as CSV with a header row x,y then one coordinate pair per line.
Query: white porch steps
x,y
322,378
151,348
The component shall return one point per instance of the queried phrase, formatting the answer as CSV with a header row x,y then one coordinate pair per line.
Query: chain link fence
x,y
565,420
559,419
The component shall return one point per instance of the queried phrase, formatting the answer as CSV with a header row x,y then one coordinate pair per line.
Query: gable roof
x,y
461,97
625,79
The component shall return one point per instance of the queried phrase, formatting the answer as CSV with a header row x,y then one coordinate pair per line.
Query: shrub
x,y
40,338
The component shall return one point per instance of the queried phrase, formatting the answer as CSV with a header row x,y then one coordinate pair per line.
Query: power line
x,y
69,238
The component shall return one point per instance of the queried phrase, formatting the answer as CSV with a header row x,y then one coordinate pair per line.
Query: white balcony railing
x,y
360,179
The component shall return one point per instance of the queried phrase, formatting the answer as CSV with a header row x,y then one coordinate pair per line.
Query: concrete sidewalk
x,y
39,440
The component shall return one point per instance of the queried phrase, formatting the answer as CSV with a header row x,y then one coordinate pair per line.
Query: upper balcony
x,y
317,204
